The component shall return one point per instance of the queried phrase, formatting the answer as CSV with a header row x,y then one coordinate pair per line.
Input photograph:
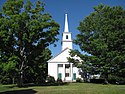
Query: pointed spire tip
x,y
66,28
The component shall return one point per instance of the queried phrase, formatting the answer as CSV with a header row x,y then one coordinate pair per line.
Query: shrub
x,y
116,80
59,81
78,80
99,81
50,79
6,80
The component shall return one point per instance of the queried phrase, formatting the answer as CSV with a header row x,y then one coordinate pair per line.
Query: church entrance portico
x,y
68,72
64,72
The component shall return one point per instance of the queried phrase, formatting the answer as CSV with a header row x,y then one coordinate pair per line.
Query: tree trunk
x,y
13,80
106,78
23,58
20,80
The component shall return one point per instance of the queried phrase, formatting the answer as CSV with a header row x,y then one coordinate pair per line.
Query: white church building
x,y
58,66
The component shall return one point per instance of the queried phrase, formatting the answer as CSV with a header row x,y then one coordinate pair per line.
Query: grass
x,y
72,88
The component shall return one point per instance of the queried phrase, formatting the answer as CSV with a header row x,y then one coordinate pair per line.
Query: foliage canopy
x,y
25,33
101,34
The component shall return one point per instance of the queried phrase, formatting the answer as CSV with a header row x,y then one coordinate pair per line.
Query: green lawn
x,y
72,88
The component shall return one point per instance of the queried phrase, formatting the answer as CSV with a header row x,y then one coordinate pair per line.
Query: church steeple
x,y
67,38
66,28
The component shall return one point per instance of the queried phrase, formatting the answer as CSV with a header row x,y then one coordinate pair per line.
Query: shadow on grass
x,y
26,85
45,84
27,91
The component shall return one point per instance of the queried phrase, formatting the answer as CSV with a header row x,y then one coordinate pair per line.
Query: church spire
x,y
66,38
66,28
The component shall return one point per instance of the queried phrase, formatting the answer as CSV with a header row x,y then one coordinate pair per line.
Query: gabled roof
x,y
61,57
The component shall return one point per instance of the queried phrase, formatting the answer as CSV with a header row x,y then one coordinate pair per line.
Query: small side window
x,y
67,65
60,65
66,74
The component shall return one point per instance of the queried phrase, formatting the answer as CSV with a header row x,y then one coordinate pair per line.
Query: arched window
x,y
66,36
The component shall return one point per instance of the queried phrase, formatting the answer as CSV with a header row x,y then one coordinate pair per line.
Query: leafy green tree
x,y
25,33
37,72
101,34
84,63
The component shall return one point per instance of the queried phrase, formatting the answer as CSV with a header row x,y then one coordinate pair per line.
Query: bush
x,y
50,79
78,80
39,80
59,81
112,79
98,81
6,80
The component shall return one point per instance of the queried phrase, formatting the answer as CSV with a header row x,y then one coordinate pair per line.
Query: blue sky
x,y
77,10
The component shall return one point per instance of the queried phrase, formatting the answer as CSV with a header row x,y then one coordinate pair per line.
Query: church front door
x,y
74,76
60,75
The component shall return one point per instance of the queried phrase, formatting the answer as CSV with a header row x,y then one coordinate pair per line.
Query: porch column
x,y
71,71
64,72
